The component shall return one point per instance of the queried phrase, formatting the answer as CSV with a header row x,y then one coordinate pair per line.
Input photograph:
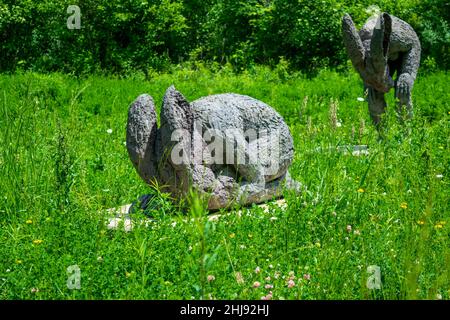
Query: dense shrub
x,y
115,35
434,28
126,35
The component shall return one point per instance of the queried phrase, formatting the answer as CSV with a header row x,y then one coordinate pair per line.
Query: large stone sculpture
x,y
383,46
231,148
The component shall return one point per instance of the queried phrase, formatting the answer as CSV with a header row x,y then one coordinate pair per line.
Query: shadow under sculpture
x,y
385,45
230,148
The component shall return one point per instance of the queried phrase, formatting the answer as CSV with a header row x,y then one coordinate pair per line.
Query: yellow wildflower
x,y
439,226
421,222
19,261
29,221
404,205
232,235
37,241
361,190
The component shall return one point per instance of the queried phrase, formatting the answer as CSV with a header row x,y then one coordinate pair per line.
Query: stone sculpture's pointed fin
x,y
141,136
379,44
353,43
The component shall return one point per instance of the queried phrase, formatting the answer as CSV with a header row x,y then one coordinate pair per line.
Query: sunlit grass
x,y
63,162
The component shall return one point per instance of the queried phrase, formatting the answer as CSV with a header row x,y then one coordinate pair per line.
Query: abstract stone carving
x,y
383,46
231,148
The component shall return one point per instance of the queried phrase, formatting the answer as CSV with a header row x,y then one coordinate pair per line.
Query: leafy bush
x,y
114,35
434,27
148,35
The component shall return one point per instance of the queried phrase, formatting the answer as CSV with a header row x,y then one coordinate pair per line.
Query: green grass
x,y
59,168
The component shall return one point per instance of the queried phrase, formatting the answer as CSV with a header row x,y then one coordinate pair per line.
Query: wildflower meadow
x,y
369,224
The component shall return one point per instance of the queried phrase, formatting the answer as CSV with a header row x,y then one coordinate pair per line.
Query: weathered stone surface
x,y
383,46
155,152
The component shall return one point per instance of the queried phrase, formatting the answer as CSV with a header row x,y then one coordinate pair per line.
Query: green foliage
x,y
434,27
116,36
148,35
61,168
307,33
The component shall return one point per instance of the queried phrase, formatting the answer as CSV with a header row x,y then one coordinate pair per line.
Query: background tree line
x,y
120,36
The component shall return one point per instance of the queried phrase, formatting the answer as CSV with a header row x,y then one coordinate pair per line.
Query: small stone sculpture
x,y
231,148
383,46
